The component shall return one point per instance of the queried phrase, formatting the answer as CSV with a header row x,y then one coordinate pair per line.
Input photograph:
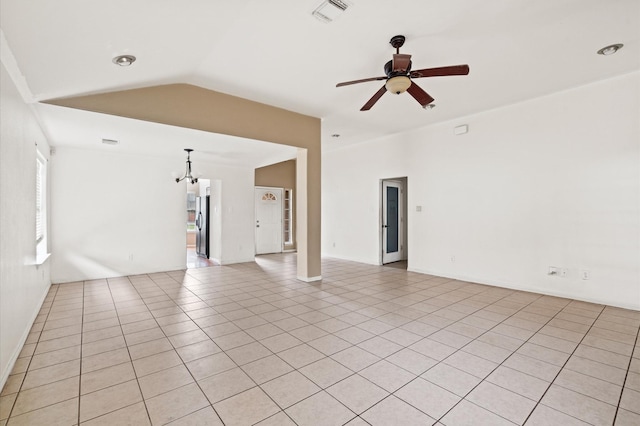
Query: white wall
x,y
115,214
350,197
550,182
215,217
23,285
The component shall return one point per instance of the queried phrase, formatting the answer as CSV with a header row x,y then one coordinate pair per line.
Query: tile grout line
x,y
237,365
174,349
313,298
562,369
81,340
407,347
110,350
624,382
273,354
284,331
115,307
460,349
515,292
511,293
513,352
31,357
165,336
519,310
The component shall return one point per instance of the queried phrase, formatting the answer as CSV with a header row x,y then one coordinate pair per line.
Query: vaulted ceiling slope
x,y
275,52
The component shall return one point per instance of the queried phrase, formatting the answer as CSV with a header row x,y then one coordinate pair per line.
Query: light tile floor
x,y
195,261
249,344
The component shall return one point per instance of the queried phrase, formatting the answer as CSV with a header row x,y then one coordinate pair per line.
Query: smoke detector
x,y
330,10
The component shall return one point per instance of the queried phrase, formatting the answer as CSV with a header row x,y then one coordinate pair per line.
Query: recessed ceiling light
x,y
429,106
610,50
124,60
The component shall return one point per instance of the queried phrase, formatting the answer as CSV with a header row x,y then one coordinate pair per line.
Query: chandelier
x,y
187,174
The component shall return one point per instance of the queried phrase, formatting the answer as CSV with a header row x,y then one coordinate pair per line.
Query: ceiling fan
x,y
399,75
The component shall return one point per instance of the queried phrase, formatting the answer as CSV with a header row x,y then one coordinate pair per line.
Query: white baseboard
x,y
23,339
310,279
634,305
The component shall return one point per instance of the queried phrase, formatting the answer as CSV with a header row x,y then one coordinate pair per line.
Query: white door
x,y
392,221
268,220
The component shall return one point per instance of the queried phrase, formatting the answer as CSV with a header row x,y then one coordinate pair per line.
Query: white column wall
x,y
23,285
554,181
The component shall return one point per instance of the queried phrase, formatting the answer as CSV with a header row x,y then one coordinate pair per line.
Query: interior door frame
x,y
402,182
255,215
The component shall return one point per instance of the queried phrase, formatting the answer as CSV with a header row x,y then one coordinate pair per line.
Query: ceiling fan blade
x,y
374,99
401,62
419,95
441,71
346,83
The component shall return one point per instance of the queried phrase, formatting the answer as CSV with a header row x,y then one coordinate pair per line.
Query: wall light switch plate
x,y
418,209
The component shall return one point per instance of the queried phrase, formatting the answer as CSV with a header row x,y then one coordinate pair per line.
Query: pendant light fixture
x,y
187,174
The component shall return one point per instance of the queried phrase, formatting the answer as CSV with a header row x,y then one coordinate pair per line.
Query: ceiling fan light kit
x,y
398,84
399,77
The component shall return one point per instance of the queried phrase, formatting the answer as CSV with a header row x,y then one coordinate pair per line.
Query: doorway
x,y
394,226
198,224
268,205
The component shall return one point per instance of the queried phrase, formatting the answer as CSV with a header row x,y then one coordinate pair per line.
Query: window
x,y
41,206
269,196
288,216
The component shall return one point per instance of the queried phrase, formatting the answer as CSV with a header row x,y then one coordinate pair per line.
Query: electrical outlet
x,y
553,271
453,258
585,274
564,272
334,244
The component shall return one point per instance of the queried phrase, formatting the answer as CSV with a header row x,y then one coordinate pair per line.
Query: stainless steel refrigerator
x,y
202,226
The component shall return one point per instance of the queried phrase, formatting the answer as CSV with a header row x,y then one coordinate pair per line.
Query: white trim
x,y
510,286
273,190
25,335
310,279
364,260
384,256
233,261
11,65
41,258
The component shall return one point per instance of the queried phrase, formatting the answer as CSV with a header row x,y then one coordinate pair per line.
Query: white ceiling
x,y
276,52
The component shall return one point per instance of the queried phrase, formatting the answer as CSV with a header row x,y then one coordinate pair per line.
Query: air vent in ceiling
x,y
329,10
110,142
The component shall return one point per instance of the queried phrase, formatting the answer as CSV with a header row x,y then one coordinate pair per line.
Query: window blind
x,y
39,199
